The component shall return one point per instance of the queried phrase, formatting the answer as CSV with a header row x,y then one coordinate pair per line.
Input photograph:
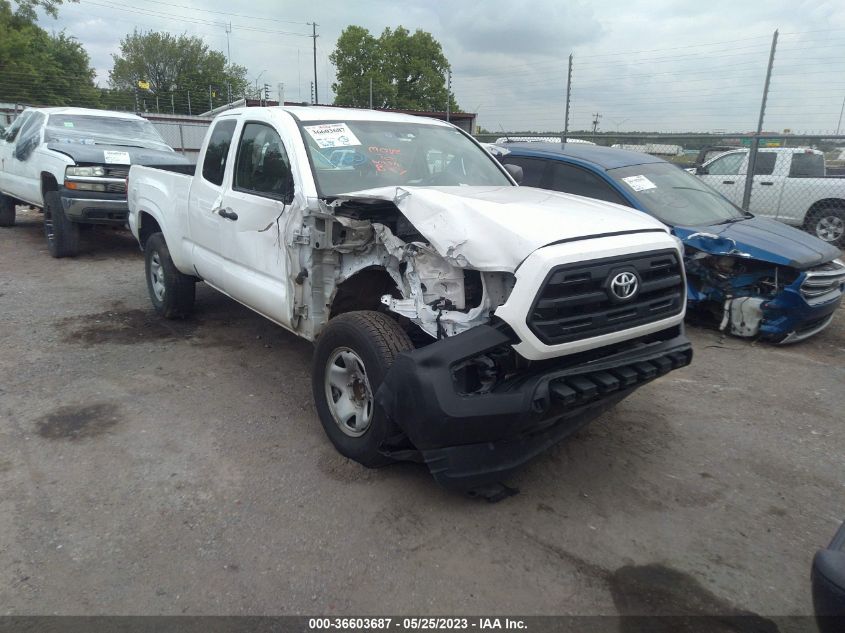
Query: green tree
x,y
39,68
182,64
27,8
408,71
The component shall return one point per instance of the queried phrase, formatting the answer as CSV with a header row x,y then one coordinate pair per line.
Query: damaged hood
x,y
496,228
95,154
760,238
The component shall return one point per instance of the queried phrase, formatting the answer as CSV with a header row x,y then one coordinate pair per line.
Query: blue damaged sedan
x,y
753,277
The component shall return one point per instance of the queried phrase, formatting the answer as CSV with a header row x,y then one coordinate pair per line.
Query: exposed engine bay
x,y
734,289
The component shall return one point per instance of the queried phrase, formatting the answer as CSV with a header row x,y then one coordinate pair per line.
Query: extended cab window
x,y
214,165
262,165
571,179
532,169
765,164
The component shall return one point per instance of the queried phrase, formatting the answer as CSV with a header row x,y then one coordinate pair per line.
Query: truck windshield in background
x,y
674,196
96,130
351,156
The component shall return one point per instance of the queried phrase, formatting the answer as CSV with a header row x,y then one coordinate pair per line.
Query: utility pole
x,y
156,103
371,97
172,104
568,94
210,102
314,26
228,49
596,118
312,93
189,103
448,94
755,142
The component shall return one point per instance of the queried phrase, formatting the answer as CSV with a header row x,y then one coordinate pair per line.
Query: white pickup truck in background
x,y
790,185
72,164
459,320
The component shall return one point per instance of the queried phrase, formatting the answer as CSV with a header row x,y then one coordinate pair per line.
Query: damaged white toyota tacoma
x,y
459,320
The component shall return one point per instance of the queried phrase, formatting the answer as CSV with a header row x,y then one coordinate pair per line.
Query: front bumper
x,y
789,318
91,207
472,440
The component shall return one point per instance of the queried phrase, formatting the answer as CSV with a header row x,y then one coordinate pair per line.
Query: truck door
x,y
769,175
23,167
725,175
8,182
206,227
253,212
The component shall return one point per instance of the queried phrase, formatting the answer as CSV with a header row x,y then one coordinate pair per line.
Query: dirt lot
x,y
159,467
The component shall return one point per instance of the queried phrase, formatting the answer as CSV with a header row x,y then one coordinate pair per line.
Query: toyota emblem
x,y
624,285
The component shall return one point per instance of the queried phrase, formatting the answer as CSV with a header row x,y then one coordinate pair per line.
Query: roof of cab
x,y
87,112
326,113
604,157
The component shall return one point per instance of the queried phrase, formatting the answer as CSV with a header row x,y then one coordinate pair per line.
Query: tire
x,y
171,292
361,346
62,234
827,222
7,211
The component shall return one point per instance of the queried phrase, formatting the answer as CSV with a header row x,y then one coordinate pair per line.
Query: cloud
x,y
641,64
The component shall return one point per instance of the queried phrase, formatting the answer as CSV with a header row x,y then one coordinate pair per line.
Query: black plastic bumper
x,y
94,207
828,581
471,440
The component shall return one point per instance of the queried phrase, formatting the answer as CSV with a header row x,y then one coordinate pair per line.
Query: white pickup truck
x,y
72,163
790,185
459,320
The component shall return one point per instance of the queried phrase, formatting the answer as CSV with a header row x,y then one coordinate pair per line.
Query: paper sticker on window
x,y
639,183
119,158
68,123
332,135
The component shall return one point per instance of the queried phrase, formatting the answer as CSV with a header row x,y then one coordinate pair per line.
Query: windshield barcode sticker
x,y
116,158
639,183
332,135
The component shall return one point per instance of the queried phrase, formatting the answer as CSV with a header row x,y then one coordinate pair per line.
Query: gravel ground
x,y
151,467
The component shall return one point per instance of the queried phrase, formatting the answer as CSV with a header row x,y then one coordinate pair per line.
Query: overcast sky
x,y
661,65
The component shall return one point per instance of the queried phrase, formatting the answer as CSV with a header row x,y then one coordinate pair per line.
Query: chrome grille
x,y
823,280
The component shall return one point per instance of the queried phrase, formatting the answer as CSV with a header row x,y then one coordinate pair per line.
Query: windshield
x,y
675,196
354,155
101,130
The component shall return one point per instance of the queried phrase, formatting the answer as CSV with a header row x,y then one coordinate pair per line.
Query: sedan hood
x,y
760,238
116,154
496,228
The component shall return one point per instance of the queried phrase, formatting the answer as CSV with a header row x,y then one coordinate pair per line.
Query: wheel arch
x,y
363,290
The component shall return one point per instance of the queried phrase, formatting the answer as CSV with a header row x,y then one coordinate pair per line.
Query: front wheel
x,y
62,234
352,357
171,292
828,223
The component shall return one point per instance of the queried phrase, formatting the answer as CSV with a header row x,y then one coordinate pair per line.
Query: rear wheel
x,y
7,211
171,292
62,234
352,357
827,223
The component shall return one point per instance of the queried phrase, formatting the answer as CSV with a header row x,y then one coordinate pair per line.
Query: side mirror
x,y
515,171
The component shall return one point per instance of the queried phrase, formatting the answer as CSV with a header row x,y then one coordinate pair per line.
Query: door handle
x,y
728,182
767,184
227,213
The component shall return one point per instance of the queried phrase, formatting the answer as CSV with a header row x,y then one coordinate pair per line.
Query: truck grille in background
x,y
117,172
823,280
575,300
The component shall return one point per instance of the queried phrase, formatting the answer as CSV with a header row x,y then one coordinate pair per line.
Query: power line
x,y
236,15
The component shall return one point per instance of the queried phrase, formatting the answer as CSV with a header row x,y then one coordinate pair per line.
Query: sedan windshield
x,y
101,130
354,155
674,196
